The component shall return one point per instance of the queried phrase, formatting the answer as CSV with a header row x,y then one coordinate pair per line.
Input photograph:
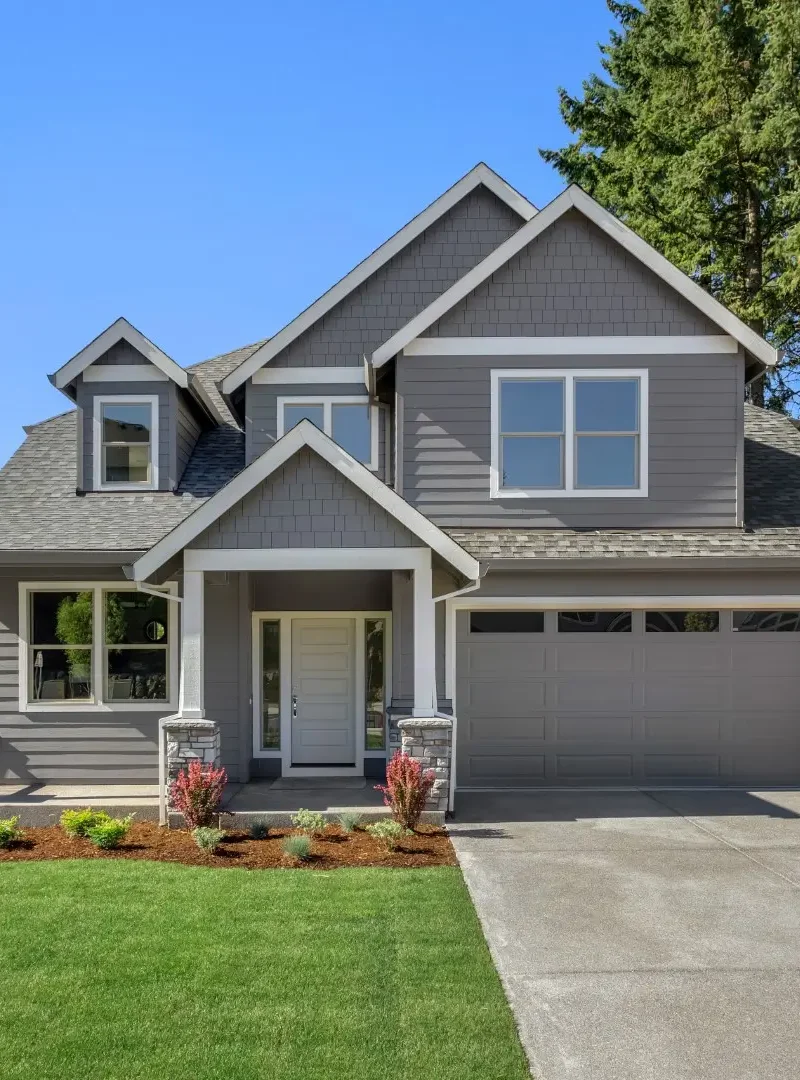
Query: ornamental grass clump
x,y
10,833
309,821
258,829
208,839
196,793
297,847
77,823
110,834
349,820
389,832
406,789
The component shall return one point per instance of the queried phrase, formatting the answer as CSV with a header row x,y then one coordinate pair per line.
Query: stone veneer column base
x,y
186,740
428,740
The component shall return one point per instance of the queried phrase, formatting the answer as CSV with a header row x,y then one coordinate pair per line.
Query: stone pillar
x,y
184,740
428,740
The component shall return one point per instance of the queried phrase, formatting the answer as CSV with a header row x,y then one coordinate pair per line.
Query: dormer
x,y
139,413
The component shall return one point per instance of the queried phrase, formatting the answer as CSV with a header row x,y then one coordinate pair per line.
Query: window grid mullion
x,y
569,433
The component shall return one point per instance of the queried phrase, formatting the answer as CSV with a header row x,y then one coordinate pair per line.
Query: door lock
x,y
294,704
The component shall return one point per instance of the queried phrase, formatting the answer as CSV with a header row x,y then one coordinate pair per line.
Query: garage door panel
x,y
772,692
681,766
594,766
591,727
762,726
592,692
682,727
686,693
494,729
766,767
512,697
512,767
662,654
504,658
598,656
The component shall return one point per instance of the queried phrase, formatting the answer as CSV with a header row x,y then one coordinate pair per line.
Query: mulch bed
x,y
429,846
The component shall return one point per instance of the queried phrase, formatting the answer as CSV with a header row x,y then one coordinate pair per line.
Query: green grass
x,y
137,971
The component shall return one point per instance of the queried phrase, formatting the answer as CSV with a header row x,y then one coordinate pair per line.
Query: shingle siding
x,y
187,432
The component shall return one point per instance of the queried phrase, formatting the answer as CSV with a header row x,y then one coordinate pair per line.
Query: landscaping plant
x,y
208,839
406,789
110,834
349,820
9,831
310,821
77,823
297,847
196,793
259,829
389,832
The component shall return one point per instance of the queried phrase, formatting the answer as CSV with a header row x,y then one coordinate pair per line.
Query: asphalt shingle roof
x,y
40,511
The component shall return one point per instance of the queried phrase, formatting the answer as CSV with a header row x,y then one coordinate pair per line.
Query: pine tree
x,y
693,138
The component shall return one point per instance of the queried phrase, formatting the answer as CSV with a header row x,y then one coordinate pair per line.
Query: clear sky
x,y
207,169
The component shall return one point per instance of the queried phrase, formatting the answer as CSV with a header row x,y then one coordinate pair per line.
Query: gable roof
x,y
120,329
305,434
481,174
576,198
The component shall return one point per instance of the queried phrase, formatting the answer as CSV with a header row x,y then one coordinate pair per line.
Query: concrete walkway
x,y
643,936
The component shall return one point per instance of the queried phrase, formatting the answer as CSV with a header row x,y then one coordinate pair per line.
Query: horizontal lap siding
x,y
226,635
694,416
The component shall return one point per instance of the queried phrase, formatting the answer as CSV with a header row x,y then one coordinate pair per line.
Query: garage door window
x,y
594,622
682,622
506,622
761,622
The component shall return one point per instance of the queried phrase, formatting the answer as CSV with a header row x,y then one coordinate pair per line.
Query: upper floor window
x,y
576,433
126,438
352,422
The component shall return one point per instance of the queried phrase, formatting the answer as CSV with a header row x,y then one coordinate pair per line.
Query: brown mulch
x,y
428,846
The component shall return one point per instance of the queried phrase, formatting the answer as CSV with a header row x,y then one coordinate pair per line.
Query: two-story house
x,y
503,470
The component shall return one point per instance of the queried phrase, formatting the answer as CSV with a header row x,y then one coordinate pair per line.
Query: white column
x,y
424,638
191,704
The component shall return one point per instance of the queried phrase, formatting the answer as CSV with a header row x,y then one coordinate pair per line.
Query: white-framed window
x,y
96,647
352,422
579,433
125,442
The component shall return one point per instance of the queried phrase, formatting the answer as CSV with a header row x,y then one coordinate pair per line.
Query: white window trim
x,y
327,402
569,491
97,450
94,705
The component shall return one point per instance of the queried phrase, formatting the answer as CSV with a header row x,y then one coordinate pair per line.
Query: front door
x,y
323,693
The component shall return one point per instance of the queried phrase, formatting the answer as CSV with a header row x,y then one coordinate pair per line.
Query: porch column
x,y
425,702
192,691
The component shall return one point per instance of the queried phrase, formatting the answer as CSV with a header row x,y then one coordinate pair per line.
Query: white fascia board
x,y
305,434
332,376
110,336
633,345
575,198
481,174
626,601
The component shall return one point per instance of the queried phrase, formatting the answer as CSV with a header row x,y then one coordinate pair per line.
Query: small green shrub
x,y
9,831
349,820
389,832
310,821
297,847
110,834
208,839
78,822
258,829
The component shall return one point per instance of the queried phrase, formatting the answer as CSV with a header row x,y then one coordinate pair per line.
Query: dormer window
x,y
125,443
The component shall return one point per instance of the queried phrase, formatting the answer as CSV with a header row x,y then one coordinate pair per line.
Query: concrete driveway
x,y
643,936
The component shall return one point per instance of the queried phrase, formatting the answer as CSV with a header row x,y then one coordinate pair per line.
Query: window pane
x,y
531,461
134,618
271,685
293,414
350,428
682,622
506,622
594,622
532,405
127,464
606,404
375,659
136,675
762,622
126,423
61,674
61,618
606,461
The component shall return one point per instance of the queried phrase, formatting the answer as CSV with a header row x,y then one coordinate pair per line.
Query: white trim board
x,y
330,376
304,434
575,198
231,559
98,483
634,345
481,174
119,330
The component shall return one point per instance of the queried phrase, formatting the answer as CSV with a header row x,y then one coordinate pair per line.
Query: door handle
x,y
294,705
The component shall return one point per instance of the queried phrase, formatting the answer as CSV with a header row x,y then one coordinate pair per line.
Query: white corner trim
x,y
570,490
305,434
327,402
575,198
111,373
634,345
481,174
330,376
98,484
110,336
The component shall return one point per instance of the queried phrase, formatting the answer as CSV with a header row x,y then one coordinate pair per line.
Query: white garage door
x,y
627,697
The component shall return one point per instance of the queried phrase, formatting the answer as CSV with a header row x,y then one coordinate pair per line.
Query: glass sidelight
x,y
375,683
271,685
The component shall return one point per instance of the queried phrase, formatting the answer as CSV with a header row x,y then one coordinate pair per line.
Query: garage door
x,y
627,697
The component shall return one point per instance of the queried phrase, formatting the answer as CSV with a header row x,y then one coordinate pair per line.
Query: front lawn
x,y
122,970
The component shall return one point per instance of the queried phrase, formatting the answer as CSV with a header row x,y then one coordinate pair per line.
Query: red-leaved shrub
x,y
406,789
196,793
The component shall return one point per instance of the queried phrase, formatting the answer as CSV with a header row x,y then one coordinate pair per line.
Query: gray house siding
x,y
323,590
227,668
187,432
306,503
122,353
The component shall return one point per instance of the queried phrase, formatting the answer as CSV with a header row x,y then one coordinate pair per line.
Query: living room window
x,y
352,422
125,443
576,433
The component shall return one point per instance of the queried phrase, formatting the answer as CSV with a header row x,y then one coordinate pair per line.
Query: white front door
x,y
323,693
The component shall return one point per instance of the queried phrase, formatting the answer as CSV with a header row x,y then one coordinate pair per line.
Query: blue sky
x,y
208,169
